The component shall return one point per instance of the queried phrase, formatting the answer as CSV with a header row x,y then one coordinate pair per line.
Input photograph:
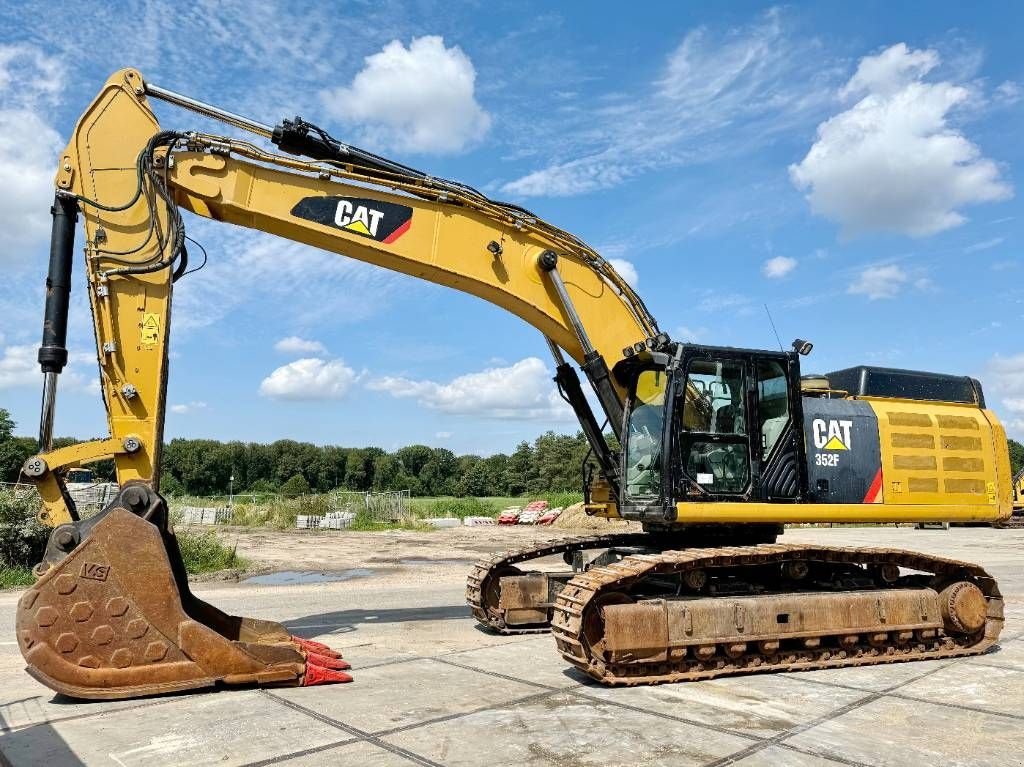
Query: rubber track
x,y
571,605
477,582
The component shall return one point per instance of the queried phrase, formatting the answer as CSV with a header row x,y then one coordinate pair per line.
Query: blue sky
x,y
852,166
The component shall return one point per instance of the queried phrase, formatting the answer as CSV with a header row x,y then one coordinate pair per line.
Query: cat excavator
x,y
712,450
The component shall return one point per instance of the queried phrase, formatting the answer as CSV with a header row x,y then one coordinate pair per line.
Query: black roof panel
x,y
869,381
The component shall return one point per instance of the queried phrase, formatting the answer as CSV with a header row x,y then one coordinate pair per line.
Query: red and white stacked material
x,y
529,516
533,511
549,516
510,516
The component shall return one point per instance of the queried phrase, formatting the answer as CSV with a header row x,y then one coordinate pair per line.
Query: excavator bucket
x,y
112,617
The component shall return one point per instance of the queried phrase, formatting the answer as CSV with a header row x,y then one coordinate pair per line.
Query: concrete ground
x,y
431,689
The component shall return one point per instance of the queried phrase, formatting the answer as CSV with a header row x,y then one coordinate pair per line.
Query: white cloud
x,y
777,267
892,162
250,269
521,391
19,367
185,408
443,435
626,270
890,72
995,242
1008,92
1004,379
310,378
29,76
296,345
415,99
717,94
717,302
877,282
30,81
571,178
686,333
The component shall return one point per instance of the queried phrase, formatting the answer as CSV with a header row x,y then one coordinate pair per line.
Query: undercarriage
x,y
642,613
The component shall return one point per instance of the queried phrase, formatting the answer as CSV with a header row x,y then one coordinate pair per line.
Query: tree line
x,y
551,463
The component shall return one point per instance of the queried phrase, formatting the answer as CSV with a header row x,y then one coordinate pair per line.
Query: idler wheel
x,y
963,608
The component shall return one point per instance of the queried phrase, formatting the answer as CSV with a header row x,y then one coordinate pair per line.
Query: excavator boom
x,y
130,180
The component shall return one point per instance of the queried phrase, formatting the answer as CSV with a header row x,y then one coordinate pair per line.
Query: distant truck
x,y
80,477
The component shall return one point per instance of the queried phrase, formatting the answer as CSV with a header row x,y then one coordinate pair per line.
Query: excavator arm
x,y
129,180
111,614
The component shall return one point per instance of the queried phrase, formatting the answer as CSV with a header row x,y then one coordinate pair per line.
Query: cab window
x,y
714,398
643,435
714,426
773,403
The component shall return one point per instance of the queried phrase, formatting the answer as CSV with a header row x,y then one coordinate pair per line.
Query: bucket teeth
x,y
318,647
317,675
115,619
325,661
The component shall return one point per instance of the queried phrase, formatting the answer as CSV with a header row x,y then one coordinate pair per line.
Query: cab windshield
x,y
643,435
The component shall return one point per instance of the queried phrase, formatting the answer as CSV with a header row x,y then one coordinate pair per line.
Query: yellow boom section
x,y
444,243
463,241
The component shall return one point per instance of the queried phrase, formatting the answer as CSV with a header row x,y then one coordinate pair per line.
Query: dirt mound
x,y
574,518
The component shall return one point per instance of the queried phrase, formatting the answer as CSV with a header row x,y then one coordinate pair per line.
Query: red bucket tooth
x,y
318,647
326,662
316,675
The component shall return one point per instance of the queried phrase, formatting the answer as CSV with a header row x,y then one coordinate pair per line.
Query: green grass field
x,y
203,552
10,577
281,513
485,507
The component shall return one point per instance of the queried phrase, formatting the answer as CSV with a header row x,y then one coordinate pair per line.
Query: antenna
x,y
779,340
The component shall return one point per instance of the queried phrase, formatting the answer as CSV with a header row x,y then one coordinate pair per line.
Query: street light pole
x,y
231,491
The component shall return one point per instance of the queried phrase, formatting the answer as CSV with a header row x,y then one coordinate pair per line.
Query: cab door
x,y
779,471
713,425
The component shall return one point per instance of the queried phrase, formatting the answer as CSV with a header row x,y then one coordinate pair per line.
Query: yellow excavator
x,y
715,448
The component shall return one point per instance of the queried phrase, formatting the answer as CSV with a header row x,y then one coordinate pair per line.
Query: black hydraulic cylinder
x,y
569,384
53,353
600,378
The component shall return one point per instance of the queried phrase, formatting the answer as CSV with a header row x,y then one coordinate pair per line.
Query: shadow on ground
x,y
41,739
346,620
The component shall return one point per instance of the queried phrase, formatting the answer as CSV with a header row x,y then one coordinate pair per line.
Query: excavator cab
x,y
710,424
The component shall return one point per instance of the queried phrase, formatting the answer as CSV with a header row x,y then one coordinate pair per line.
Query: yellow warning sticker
x,y
150,329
